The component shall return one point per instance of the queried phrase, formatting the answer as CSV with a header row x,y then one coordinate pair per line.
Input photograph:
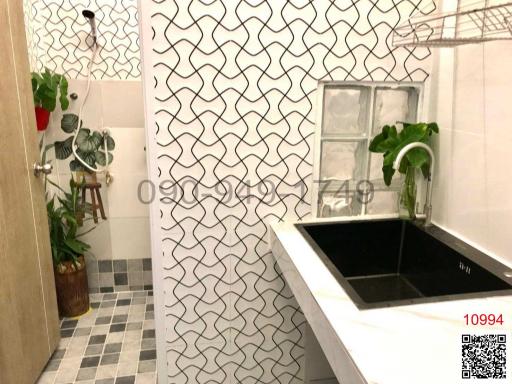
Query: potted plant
x,y
68,250
92,147
46,88
390,142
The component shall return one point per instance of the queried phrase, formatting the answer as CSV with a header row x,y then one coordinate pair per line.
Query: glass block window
x,y
348,178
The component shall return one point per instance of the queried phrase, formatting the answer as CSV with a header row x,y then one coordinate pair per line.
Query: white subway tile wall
x,y
472,185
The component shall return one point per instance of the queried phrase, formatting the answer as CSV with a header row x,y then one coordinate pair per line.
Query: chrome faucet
x,y
427,209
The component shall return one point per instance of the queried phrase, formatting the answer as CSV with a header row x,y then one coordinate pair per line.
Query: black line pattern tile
x,y
59,37
235,89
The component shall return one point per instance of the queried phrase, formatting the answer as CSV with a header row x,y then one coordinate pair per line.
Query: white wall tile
x,y
498,114
468,198
472,186
130,238
122,103
123,196
469,98
92,110
100,240
129,153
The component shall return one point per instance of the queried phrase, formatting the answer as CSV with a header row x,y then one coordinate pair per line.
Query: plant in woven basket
x,y
65,217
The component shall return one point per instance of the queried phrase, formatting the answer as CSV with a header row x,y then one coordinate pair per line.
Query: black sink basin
x,y
384,263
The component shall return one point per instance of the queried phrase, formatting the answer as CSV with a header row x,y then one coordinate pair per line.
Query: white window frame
x,y
421,88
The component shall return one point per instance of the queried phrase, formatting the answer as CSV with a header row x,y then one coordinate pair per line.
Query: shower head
x,y
91,18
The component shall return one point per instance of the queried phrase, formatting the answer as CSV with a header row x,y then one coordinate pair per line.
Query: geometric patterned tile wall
x,y
235,88
60,36
30,34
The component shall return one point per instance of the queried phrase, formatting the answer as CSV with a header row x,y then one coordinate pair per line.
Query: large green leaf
x,y
374,144
63,149
388,172
111,144
390,143
101,158
47,96
75,166
77,246
69,122
433,128
34,81
391,139
413,132
46,87
88,142
417,157
88,157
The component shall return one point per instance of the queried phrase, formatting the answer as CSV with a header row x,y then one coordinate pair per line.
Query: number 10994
x,y
483,319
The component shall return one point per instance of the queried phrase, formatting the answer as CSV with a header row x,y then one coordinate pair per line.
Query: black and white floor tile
x,y
114,343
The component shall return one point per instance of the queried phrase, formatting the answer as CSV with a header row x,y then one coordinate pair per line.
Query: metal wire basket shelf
x,y
472,23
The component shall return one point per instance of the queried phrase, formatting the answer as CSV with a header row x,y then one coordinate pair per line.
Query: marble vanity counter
x,y
418,344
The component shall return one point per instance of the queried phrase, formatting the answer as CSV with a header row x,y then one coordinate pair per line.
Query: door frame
x,y
145,38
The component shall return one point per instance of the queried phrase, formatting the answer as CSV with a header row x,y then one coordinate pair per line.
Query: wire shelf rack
x,y
472,23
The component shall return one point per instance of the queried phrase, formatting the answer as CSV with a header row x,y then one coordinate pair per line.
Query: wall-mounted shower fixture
x,y
91,18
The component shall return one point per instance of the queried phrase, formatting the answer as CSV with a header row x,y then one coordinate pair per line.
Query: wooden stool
x,y
94,189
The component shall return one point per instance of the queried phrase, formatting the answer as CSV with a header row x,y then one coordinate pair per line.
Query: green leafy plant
x,y
47,87
90,146
65,216
390,142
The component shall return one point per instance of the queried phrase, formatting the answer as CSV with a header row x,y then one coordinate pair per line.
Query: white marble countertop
x,y
418,344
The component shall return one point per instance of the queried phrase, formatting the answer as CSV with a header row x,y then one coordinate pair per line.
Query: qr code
x,y
484,356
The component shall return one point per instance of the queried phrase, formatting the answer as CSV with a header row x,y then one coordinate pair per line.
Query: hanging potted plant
x,y
68,250
46,88
390,142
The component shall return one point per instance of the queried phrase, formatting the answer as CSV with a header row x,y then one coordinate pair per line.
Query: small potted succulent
x,y
46,88
390,142
65,218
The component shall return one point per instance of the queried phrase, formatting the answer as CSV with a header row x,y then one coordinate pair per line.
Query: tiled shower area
x,y
58,39
114,343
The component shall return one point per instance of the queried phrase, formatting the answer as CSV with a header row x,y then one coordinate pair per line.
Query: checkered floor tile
x,y
112,344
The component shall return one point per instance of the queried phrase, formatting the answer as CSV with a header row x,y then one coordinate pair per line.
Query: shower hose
x,y
108,177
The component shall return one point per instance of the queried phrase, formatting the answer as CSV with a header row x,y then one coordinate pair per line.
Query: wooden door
x,y
29,330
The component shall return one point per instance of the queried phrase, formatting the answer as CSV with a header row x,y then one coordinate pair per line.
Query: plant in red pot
x,y
47,87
